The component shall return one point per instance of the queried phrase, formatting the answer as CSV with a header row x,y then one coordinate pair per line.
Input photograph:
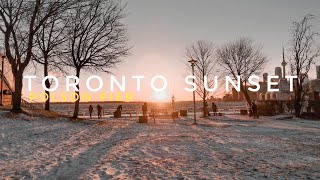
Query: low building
x,y
6,82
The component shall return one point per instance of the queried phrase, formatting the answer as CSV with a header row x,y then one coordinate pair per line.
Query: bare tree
x,y
20,20
96,38
204,53
304,52
47,39
242,58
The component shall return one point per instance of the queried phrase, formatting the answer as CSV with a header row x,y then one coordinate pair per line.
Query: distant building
x,y
314,92
228,97
8,81
313,87
284,93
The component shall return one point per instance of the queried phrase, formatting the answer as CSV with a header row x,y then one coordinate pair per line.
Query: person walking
x,y
205,109
214,108
254,109
90,110
144,109
99,108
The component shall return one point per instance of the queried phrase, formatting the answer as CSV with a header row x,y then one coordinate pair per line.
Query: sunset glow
x,y
142,89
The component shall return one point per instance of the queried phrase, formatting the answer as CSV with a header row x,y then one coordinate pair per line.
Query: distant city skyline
x,y
161,30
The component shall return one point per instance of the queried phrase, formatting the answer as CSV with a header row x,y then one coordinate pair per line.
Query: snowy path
x,y
223,147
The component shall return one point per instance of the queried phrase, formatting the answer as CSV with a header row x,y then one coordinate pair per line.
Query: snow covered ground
x,y
222,147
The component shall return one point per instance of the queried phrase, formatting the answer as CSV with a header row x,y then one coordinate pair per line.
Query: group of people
x,y
99,109
206,109
253,109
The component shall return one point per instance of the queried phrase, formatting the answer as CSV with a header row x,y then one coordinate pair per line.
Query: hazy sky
x,y
161,29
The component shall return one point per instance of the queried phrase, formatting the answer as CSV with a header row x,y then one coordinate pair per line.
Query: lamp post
x,y
193,63
2,76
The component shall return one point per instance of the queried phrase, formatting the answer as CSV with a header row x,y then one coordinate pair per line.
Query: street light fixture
x,y
193,63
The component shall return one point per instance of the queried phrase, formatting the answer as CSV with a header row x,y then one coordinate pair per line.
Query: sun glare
x,y
160,96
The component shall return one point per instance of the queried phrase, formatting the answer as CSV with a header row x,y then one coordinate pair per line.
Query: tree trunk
x,y
245,93
204,107
77,103
298,97
47,103
204,95
297,108
298,103
16,95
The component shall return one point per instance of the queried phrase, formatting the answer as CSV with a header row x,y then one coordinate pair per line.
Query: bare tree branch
x,y
204,53
242,58
20,20
96,37
304,51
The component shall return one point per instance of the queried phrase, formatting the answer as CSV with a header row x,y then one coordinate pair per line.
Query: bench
x,y
159,112
143,119
218,114
183,112
117,114
243,112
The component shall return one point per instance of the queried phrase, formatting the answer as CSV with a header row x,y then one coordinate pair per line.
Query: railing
x,y
27,103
